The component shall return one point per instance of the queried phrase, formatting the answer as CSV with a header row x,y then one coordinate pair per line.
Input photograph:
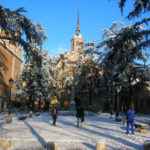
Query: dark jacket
x,y
54,111
79,108
77,103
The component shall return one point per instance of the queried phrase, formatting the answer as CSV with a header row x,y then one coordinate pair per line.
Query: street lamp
x,y
110,97
113,84
24,84
118,88
11,81
90,88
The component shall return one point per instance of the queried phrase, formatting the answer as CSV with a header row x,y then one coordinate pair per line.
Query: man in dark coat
x,y
79,110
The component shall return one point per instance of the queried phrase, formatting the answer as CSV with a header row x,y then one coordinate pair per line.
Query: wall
x,y
12,54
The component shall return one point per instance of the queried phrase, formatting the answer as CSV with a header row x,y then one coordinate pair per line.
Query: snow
x,y
97,128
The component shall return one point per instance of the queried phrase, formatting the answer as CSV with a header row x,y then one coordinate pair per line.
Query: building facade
x,y
11,55
70,62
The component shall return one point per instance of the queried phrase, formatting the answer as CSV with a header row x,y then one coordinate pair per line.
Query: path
x,y
97,128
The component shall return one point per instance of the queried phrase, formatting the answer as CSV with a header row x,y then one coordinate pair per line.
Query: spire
x,y
78,23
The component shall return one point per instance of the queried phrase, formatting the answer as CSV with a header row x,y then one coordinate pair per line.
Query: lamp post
x,y
90,88
113,94
110,97
118,88
24,84
11,81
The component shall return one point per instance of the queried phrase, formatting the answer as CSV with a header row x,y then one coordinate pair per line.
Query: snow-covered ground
x,y
97,128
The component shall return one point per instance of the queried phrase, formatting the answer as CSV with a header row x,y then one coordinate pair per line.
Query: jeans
x,y
130,125
54,119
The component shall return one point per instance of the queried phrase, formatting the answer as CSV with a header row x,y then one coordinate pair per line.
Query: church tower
x,y
77,42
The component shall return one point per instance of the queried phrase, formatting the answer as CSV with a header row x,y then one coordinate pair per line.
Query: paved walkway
x,y
38,130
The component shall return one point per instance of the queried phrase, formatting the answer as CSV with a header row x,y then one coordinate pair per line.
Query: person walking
x,y
54,109
130,120
79,111
82,114
77,107
54,114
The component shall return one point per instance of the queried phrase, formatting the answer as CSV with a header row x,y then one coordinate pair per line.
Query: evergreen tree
x,y
139,7
37,80
17,29
124,47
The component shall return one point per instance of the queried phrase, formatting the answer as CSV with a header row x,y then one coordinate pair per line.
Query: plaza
x,y
38,132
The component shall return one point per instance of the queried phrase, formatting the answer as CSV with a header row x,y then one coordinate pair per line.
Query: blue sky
x,y
58,17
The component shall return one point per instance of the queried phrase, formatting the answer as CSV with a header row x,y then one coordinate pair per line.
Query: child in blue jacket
x,y
130,120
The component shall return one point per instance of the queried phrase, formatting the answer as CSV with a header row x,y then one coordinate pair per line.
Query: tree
x,y
18,29
125,47
37,81
139,7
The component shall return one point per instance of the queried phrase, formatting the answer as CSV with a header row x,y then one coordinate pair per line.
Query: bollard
x,y
101,145
51,146
5,144
66,145
147,145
